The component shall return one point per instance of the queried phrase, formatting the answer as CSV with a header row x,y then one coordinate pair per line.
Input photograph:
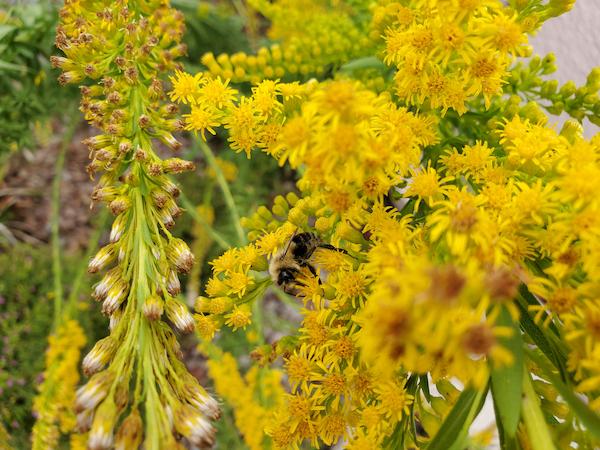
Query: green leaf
x,y
455,429
579,408
369,62
537,428
5,29
539,338
10,66
507,386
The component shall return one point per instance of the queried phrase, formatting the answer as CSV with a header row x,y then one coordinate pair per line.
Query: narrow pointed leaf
x,y
507,386
455,428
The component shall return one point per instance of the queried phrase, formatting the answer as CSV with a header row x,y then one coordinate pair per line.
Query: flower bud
x,y
179,315
568,89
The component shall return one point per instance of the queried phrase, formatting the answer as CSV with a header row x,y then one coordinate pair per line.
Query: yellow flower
x,y
426,185
202,119
239,317
185,87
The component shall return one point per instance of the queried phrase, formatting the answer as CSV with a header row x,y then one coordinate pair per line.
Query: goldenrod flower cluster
x,y
242,392
436,245
139,390
449,52
311,38
54,407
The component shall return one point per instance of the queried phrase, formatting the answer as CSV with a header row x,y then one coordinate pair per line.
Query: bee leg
x,y
331,247
312,270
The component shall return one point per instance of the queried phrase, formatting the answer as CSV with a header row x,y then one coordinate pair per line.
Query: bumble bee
x,y
286,265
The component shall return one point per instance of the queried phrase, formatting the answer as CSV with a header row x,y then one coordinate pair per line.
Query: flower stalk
x,y
139,390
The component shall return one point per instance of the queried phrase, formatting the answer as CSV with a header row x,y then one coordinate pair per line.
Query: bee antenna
x,y
289,243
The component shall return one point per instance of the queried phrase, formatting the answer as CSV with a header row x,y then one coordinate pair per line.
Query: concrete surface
x,y
575,40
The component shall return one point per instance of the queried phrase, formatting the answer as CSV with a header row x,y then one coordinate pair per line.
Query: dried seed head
x,y
155,169
201,400
140,154
170,187
166,218
114,97
194,426
170,141
479,339
93,392
130,432
104,194
124,147
160,197
84,420
119,204
101,434
116,295
178,313
99,356
102,258
118,228
103,286
173,284
71,76
180,256
153,307
144,121
177,165
115,319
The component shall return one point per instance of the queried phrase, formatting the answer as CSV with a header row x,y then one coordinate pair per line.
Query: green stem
x,y
537,429
229,202
55,214
189,208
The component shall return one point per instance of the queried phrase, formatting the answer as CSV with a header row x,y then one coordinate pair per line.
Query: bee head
x,y
285,276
